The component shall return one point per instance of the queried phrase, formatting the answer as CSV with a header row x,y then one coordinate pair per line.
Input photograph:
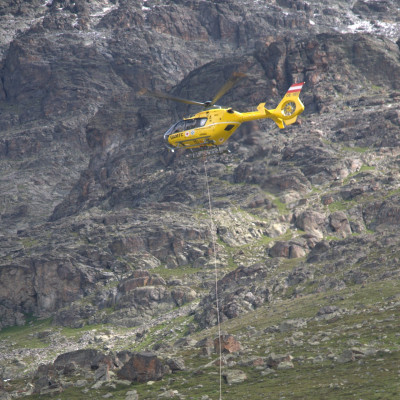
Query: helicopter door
x,y
204,132
188,129
196,133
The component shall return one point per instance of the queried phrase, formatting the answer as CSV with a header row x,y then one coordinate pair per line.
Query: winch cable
x,y
212,229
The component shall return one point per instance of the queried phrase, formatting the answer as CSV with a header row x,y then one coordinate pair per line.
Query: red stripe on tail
x,y
296,87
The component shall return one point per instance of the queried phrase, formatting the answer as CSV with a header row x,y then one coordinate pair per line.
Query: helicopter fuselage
x,y
207,128
213,127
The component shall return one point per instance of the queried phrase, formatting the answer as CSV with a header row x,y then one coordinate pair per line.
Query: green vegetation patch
x,y
356,149
26,336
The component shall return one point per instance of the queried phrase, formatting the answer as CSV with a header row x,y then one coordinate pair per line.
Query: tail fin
x,y
289,108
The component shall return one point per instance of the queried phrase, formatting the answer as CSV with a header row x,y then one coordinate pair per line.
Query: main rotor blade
x,y
162,95
232,81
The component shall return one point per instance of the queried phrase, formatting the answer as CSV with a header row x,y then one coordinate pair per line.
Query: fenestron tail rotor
x,y
233,80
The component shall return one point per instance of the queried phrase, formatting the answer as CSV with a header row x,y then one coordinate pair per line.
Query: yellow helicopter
x,y
213,126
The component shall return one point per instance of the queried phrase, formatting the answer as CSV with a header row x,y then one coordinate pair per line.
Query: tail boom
x,y
285,113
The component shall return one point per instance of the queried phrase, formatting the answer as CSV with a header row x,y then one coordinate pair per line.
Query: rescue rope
x,y
216,273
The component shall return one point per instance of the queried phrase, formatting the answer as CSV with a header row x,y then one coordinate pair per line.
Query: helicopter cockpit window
x,y
190,124
179,127
195,123
186,125
201,121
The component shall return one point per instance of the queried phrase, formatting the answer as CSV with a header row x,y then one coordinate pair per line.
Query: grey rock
x,y
346,356
169,394
131,395
142,367
83,358
51,390
292,324
274,360
339,223
176,364
234,376
232,287
285,365
349,355
98,385
81,383
312,222
102,373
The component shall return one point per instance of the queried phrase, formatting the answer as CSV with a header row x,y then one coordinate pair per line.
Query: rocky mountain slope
x,y
106,244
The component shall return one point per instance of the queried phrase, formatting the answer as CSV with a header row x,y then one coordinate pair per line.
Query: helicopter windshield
x,y
184,125
194,123
187,124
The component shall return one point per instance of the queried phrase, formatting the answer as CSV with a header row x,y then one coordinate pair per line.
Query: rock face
x,y
100,224
43,286
240,291
74,104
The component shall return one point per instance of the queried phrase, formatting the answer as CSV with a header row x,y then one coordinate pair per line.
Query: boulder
x,y
285,365
102,373
84,358
350,355
326,310
233,376
169,394
146,297
124,356
296,251
182,295
206,346
346,356
277,229
274,360
228,344
253,361
176,364
46,377
111,360
339,224
288,250
280,249
131,395
312,222
139,278
142,367
70,368
292,324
